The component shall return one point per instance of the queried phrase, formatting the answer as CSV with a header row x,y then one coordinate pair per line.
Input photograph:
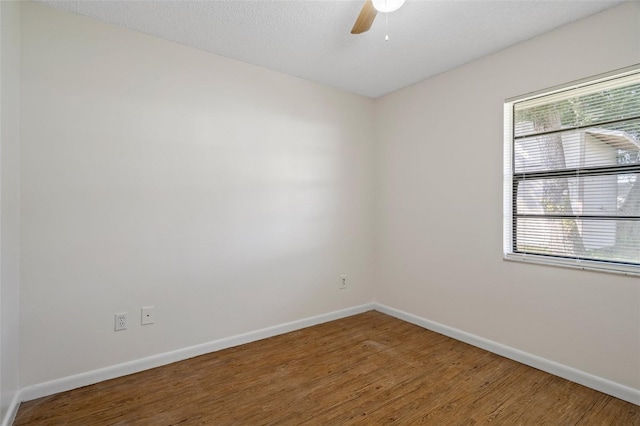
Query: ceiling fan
x,y
369,11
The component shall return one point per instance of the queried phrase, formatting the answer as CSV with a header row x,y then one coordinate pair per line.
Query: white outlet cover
x,y
343,282
146,315
120,321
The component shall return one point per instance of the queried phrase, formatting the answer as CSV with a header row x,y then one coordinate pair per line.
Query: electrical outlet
x,y
343,282
120,322
147,315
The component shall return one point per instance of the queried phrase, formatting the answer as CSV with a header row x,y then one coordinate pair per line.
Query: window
x,y
572,175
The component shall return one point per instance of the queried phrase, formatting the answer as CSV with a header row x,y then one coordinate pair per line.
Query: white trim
x,y
584,265
618,78
507,180
90,377
600,384
12,410
587,81
83,379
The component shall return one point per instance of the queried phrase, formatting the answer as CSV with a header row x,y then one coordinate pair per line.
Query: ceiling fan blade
x,y
365,19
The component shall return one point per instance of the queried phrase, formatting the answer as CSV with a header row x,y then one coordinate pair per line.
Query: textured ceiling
x,y
312,40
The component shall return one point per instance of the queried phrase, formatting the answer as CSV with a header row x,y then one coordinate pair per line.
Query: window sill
x,y
585,265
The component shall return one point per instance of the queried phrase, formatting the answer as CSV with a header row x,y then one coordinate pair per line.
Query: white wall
x,y
9,200
229,197
439,208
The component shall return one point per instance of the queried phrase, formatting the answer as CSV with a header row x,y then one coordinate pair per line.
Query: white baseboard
x,y
90,377
12,411
589,380
84,379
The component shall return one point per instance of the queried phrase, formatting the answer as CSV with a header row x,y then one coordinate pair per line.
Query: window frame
x,y
509,190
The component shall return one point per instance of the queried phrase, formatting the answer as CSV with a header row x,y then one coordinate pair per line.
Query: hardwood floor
x,y
366,369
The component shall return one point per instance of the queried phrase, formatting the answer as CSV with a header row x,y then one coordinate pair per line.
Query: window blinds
x,y
575,173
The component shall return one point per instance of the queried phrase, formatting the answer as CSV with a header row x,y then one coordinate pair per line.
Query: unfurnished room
x,y
319,212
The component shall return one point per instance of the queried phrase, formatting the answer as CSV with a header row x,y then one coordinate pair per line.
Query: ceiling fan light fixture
x,y
386,6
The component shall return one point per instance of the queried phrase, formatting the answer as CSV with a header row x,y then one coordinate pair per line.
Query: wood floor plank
x,y
367,369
